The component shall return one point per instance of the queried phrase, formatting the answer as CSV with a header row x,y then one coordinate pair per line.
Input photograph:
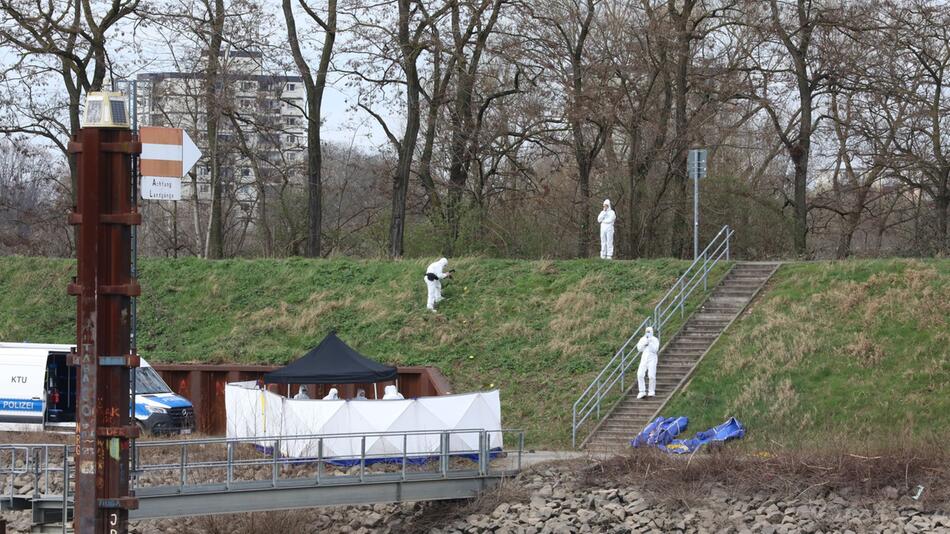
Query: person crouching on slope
x,y
435,272
648,346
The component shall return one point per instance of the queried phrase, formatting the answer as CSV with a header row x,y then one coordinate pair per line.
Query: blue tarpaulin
x,y
661,431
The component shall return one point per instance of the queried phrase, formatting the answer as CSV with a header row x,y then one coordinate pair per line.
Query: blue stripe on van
x,y
21,405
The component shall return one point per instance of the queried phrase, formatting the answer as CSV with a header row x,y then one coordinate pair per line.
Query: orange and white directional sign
x,y
167,155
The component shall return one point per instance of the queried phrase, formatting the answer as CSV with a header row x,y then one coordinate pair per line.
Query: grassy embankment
x,y
538,330
850,354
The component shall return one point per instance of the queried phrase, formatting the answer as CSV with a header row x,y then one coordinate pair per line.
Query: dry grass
x,y
254,523
786,474
844,345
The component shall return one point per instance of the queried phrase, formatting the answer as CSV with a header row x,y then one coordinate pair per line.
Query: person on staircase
x,y
606,220
648,346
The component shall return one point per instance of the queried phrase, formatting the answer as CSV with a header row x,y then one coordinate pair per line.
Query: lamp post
x,y
104,285
696,163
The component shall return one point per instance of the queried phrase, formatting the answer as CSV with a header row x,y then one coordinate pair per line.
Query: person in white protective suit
x,y
606,220
648,346
302,393
360,394
435,272
391,393
332,395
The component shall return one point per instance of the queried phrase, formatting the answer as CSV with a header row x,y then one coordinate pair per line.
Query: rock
x,y
372,519
637,507
501,510
585,516
546,491
891,493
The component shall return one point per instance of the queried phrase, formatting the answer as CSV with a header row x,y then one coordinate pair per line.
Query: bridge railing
x,y
608,386
220,464
203,465
47,467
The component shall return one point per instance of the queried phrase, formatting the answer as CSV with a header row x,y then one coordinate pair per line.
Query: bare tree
x,y
314,84
560,39
923,38
65,40
398,51
787,58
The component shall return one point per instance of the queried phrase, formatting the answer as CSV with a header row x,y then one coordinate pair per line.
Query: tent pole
x,y
375,392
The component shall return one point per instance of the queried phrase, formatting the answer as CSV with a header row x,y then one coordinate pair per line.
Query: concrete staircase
x,y
680,356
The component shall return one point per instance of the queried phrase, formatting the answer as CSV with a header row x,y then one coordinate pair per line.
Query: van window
x,y
147,381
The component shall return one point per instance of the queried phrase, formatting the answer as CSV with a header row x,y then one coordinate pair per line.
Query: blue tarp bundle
x,y
660,434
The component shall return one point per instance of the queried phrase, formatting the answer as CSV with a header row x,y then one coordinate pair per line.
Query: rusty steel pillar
x,y
104,285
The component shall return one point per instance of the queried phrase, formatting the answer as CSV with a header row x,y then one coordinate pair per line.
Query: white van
x,y
39,393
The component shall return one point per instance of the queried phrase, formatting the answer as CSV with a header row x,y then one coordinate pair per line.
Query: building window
x,y
291,87
291,138
245,172
247,86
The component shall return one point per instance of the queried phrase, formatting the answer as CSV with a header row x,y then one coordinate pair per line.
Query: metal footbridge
x,y
185,477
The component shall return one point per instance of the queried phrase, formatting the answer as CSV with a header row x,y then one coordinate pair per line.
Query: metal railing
x,y
614,374
221,465
197,465
47,468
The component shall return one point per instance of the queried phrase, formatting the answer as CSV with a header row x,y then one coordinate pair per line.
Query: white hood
x,y
437,267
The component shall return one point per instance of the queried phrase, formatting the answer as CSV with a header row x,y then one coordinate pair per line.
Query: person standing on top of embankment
x,y
606,220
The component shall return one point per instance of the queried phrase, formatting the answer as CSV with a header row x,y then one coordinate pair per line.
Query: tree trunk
x,y
800,161
314,87
216,230
942,205
583,184
408,146
681,213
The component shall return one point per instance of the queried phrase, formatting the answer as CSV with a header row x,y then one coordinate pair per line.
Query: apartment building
x,y
261,121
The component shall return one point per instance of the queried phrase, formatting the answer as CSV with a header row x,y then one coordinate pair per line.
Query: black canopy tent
x,y
331,362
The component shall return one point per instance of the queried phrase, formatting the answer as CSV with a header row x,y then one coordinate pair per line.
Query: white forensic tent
x,y
257,413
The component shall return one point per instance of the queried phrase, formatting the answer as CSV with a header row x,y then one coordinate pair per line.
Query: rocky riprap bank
x,y
558,498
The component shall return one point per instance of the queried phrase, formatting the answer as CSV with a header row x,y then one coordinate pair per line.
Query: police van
x,y
38,393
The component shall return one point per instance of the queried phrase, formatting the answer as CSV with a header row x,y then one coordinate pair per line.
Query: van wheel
x,y
142,431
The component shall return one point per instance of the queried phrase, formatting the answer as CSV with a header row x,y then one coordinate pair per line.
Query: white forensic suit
x,y
606,220
435,272
648,346
391,393
332,395
302,393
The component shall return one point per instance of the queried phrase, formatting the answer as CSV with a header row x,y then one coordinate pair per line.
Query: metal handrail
x,y
36,460
590,402
273,460
26,459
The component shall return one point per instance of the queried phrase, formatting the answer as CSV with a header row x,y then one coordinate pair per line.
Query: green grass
x,y
538,330
833,353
